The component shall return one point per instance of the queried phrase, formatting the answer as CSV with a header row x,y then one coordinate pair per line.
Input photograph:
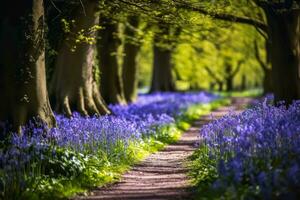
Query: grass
x,y
103,168
166,135
203,173
247,93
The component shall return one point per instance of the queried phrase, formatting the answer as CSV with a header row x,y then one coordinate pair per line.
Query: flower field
x,y
82,152
252,155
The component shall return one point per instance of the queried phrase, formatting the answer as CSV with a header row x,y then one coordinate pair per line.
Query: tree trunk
x,y
162,78
130,62
73,86
22,64
220,86
111,83
267,82
228,77
284,32
229,83
212,86
244,82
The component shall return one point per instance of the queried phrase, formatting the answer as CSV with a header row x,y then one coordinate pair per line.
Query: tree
x,y
162,77
22,64
215,78
73,86
108,44
230,74
243,83
130,63
284,34
267,80
282,30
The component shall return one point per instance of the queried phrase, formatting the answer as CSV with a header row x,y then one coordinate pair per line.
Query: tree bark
x,y
244,82
73,87
162,78
220,86
22,64
284,32
130,62
229,84
111,83
267,82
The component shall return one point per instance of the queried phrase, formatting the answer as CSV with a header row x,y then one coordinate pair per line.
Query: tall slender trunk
x,y
162,70
229,83
230,74
284,32
73,86
162,78
130,62
111,83
267,81
229,77
244,82
22,64
220,86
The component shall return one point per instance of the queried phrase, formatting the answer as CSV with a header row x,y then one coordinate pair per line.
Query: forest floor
x,y
163,175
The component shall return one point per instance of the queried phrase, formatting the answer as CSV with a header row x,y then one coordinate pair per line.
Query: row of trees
x,y
92,29
278,22
85,32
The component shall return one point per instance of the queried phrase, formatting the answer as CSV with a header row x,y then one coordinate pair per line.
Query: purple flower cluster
x,y
24,156
155,110
258,149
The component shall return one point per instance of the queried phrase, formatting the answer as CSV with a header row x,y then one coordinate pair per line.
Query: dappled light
x,y
139,99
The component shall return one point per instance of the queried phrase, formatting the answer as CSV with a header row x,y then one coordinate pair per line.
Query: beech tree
x,y
217,80
163,47
230,73
130,63
73,85
22,64
283,21
111,84
227,77
281,29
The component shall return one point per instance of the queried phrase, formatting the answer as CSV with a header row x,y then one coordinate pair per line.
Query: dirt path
x,y
162,175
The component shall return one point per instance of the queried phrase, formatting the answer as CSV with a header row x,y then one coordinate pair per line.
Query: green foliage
x,y
200,41
203,171
82,36
223,45
68,172
246,93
